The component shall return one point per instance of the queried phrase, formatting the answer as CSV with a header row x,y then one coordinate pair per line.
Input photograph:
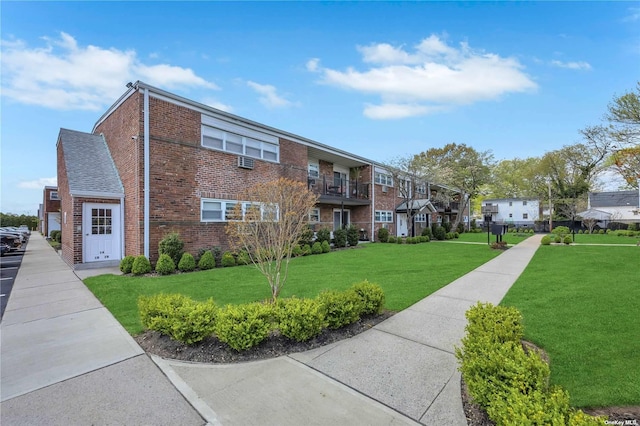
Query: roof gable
x,y
614,199
90,168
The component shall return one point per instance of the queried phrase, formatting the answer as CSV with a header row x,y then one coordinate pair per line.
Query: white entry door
x,y
341,219
402,224
101,232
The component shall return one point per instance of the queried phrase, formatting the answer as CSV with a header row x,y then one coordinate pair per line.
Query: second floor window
x,y
314,170
383,179
53,195
230,142
384,216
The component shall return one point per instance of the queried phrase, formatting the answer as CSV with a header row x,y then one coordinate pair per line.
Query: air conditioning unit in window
x,y
245,162
385,188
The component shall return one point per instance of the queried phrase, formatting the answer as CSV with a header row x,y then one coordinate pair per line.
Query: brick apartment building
x,y
49,211
157,163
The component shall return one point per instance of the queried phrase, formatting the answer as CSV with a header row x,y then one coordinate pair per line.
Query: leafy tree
x,y
269,222
516,178
460,166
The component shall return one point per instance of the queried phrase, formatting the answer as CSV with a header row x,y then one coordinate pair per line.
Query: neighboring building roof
x,y
90,168
595,214
511,199
614,199
421,206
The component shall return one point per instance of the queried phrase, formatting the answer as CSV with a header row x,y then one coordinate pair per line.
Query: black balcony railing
x,y
446,207
337,187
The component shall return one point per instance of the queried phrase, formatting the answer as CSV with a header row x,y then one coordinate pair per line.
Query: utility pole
x,y
550,212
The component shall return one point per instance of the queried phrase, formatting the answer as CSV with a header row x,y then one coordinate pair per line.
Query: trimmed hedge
x,y
207,261
244,326
165,265
342,307
126,264
300,319
141,265
187,263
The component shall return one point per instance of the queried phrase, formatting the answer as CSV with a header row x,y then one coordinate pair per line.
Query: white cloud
x,y
580,65
270,97
64,75
38,183
217,104
432,77
313,64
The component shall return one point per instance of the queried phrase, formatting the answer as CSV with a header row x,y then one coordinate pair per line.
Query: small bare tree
x,y
590,223
268,223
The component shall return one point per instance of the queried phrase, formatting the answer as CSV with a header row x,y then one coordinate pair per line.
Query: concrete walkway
x,y
66,360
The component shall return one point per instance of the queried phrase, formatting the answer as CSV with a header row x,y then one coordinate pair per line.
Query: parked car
x,y
13,241
7,230
24,228
4,248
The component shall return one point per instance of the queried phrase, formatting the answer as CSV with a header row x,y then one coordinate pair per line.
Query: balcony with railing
x,y
337,189
489,209
441,206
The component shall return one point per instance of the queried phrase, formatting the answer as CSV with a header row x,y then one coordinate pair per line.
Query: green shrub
x,y
323,235
601,232
165,265
557,239
580,231
440,233
178,316
340,237
306,237
353,236
392,239
56,235
296,251
408,240
244,326
326,248
534,408
567,239
187,263
172,245
228,259
141,265
561,230
426,238
456,235
449,236
207,261
446,226
546,240
460,228
341,307
400,240
632,227
126,264
306,250
316,248
383,235
426,232
371,296
300,319
243,258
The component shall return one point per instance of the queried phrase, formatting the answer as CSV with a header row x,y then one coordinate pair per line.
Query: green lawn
x,y
605,239
482,237
407,273
580,303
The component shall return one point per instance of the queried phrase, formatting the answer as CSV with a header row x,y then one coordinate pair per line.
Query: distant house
x,y
49,212
512,211
157,163
613,207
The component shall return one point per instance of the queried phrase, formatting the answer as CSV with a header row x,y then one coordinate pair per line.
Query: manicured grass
x,y
605,239
481,237
580,303
407,273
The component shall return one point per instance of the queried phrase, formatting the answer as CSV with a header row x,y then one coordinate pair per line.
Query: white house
x,y
615,206
512,211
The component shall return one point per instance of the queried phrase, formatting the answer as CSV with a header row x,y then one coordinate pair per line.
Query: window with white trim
x,y
420,217
383,216
314,215
524,203
383,179
212,210
525,215
314,170
231,142
421,188
53,195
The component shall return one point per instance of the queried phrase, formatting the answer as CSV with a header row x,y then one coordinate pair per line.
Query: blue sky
x,y
380,79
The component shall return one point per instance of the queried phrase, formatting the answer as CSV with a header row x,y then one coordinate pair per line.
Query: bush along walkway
x,y
407,363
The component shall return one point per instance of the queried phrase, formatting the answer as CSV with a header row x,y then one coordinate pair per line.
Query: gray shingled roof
x,y
90,168
614,199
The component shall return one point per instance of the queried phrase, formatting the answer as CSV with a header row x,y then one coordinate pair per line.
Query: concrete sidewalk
x,y
66,360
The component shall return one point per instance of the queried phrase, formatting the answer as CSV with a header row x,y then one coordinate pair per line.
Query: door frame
x,y
116,230
342,221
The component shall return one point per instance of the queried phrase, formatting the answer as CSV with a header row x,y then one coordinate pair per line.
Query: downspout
x,y
146,172
122,219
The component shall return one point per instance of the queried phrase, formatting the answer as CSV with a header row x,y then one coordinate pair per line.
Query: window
x,y
439,219
231,142
314,170
384,216
224,211
422,217
383,179
525,215
421,188
524,203
510,203
314,215
53,195
510,214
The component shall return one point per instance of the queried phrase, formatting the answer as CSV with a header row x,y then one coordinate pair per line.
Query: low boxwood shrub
x,y
440,233
207,261
400,240
557,239
546,240
340,238
178,316
141,265
456,235
371,295
383,235
567,240
580,231
187,263
392,239
326,247
341,307
172,245
447,226
561,230
601,232
306,237
56,235
296,250
449,236
323,234
353,236
426,232
126,264
300,319
244,326
316,248
228,259
306,250
243,258
165,265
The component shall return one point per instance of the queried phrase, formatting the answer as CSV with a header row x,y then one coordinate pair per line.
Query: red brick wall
x,y
48,206
127,153
66,209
